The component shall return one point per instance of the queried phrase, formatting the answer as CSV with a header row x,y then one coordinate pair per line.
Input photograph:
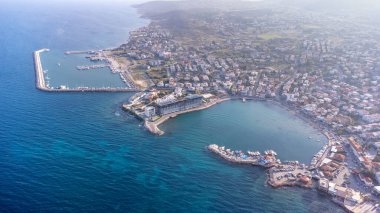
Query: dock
x,y
92,67
80,52
267,160
41,84
289,173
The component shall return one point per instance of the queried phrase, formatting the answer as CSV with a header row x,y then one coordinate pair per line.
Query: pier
x,y
289,173
41,84
92,67
252,158
80,52
40,79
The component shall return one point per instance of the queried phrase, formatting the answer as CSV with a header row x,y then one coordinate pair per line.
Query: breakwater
x,y
254,158
40,79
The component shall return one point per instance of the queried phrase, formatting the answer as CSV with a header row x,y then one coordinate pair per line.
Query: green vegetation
x,y
157,74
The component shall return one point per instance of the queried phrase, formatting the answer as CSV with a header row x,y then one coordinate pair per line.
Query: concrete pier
x,y
40,79
41,85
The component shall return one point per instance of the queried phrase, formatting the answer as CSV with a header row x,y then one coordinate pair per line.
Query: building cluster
x,y
153,104
326,70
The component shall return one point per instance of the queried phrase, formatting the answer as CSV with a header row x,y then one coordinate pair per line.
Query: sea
x,y
79,152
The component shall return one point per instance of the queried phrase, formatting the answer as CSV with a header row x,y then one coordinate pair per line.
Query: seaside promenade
x,y
41,84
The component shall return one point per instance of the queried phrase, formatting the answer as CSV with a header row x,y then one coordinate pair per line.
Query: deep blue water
x,y
72,153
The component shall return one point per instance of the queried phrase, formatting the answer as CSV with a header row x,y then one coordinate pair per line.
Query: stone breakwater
x,y
289,173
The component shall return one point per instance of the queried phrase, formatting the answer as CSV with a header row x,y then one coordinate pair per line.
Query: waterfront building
x,y
176,105
323,184
150,111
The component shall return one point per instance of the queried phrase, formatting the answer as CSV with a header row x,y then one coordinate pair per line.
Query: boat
x,y
244,99
59,64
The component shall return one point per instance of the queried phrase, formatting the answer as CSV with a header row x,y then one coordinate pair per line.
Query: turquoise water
x,y
73,153
252,126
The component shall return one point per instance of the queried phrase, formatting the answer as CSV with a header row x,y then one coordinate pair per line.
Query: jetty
x,y
41,84
267,160
288,173
92,67
40,79
80,52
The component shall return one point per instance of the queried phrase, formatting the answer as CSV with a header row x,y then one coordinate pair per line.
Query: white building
x,y
150,111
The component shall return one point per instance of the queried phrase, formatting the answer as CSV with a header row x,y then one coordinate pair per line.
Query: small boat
x,y
244,99
59,64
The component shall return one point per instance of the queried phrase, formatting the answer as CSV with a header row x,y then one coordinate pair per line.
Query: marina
x,y
288,173
252,158
43,85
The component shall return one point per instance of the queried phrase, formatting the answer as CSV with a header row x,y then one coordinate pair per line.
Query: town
x,y
322,68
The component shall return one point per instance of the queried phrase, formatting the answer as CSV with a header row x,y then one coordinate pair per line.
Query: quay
x,y
289,173
293,173
92,67
80,52
41,84
253,158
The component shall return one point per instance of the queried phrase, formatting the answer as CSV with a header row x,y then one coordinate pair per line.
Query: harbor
x,y
294,173
42,85
288,173
267,160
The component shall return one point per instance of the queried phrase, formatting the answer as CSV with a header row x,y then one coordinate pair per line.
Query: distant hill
x,y
159,7
364,10
334,5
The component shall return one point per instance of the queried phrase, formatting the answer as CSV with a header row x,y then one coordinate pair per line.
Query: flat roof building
x,y
167,107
